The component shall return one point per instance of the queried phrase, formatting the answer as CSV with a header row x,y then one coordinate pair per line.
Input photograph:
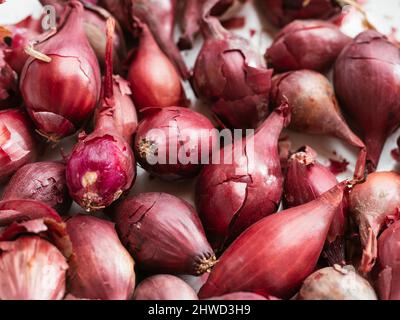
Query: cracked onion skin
x,y
153,78
180,127
31,269
100,267
306,179
282,12
69,85
18,145
164,287
231,197
373,204
388,266
43,181
309,44
279,251
232,77
367,83
164,234
102,165
336,283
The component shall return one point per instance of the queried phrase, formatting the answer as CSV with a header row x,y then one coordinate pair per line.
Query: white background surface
x,y
383,14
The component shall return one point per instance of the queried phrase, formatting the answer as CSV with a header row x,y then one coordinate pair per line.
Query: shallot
x,y
102,165
306,180
152,76
100,267
195,282
367,83
336,283
17,142
60,82
275,255
164,287
308,44
43,181
232,76
388,280
232,196
173,142
164,234
373,204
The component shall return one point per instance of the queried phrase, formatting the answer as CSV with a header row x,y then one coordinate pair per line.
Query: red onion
x,y
8,83
336,283
309,44
244,296
164,234
195,282
369,66
306,180
21,217
31,269
43,181
372,205
315,109
231,197
281,12
18,38
194,10
277,253
17,143
180,137
102,165
125,115
388,282
164,287
94,22
153,78
232,76
65,67
100,267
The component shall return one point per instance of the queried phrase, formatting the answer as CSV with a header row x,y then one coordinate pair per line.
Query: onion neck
x,y
211,28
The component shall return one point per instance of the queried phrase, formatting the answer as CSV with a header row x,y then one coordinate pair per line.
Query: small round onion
x,y
31,269
17,143
336,283
164,287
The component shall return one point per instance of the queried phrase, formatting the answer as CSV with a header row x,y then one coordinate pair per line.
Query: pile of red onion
x,y
172,175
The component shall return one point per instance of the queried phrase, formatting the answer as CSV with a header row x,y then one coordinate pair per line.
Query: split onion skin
x,y
164,287
279,251
306,44
369,66
164,234
100,267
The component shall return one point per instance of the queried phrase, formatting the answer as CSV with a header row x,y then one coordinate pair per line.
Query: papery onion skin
x,y
184,132
153,78
372,205
279,251
370,67
388,280
336,283
43,181
195,282
31,269
231,197
69,85
232,77
164,287
281,12
18,145
307,179
193,11
309,44
102,166
100,267
164,234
